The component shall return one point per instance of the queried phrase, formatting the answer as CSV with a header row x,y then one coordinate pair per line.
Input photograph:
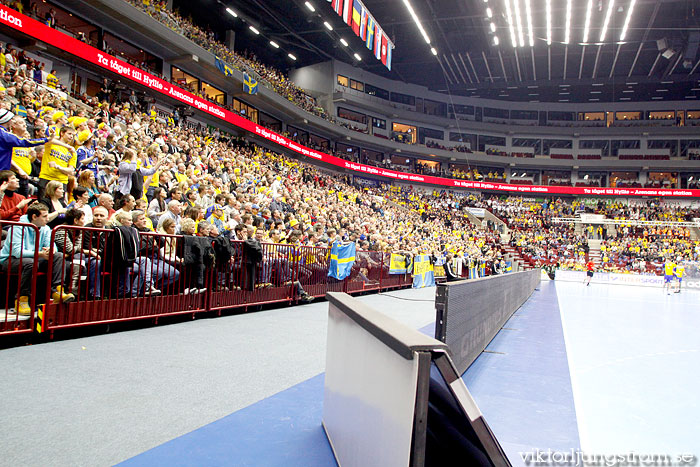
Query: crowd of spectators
x,y
109,165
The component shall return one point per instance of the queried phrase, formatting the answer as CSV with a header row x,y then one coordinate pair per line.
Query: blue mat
x,y
284,429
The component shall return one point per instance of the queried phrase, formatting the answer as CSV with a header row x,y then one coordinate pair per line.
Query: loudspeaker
x,y
668,53
662,44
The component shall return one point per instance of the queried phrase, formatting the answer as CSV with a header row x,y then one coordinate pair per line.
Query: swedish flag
x,y
342,260
423,272
398,264
509,266
249,84
224,68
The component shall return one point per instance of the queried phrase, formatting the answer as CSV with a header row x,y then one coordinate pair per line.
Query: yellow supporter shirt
x,y
23,158
52,81
62,157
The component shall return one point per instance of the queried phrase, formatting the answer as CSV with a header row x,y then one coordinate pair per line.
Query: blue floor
x,y
284,429
523,388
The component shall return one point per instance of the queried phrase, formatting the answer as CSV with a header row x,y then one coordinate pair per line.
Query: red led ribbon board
x,y
41,32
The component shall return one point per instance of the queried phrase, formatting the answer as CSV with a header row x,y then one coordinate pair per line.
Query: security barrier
x,y
11,275
168,275
470,313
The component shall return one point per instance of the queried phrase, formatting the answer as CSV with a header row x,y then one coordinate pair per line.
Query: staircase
x,y
519,263
594,253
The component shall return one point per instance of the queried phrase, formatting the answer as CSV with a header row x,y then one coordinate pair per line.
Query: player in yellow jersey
x,y
59,160
669,267
678,272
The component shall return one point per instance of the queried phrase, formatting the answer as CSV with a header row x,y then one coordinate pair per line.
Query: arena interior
x,y
513,186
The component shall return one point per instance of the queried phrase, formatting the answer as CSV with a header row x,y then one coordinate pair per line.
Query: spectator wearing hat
x,y
6,80
87,157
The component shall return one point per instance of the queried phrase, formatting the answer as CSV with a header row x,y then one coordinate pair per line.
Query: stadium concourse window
x,y
458,109
438,109
487,140
662,180
556,177
524,115
603,145
592,118
690,180
357,85
297,134
213,94
351,115
625,116
625,179
550,146
268,121
468,139
248,111
184,80
667,115
403,162
403,133
372,157
617,144
690,148
496,115
404,99
378,92
343,81
319,143
429,133
555,117
534,143
379,123
670,144
591,178
427,167
692,118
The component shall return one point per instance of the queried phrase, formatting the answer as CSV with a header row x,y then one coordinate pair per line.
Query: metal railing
x,y
105,281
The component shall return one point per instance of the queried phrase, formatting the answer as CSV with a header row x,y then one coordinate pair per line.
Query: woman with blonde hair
x,y
55,200
86,179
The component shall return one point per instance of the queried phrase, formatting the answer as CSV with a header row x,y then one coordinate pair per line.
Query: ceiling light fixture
x,y
344,42
496,41
310,7
549,22
509,17
519,22
567,33
274,44
489,12
327,25
252,28
587,27
630,8
291,56
417,21
608,14
528,16
357,57
433,51
493,27
231,12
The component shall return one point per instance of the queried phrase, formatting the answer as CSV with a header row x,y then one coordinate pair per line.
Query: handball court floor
x,y
604,369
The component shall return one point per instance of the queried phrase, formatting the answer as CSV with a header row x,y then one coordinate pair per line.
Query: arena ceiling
x,y
648,53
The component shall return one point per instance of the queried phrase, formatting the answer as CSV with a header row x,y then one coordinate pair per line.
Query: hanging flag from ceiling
x,y
356,15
